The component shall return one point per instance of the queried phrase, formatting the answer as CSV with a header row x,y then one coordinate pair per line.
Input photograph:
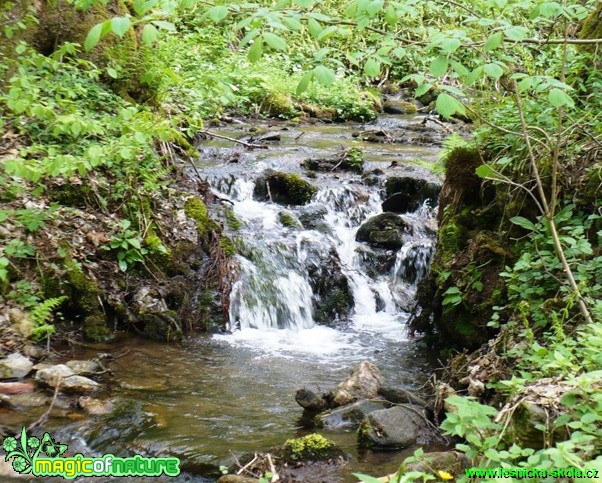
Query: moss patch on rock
x,y
284,188
313,447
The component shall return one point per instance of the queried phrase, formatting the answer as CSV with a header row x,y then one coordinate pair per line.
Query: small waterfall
x,y
274,291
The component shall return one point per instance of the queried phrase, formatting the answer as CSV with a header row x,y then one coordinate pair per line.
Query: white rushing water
x,y
272,304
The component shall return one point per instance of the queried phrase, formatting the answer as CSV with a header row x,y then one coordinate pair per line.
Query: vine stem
x,y
548,212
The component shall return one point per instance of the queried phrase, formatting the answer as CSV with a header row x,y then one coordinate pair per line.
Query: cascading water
x,y
273,302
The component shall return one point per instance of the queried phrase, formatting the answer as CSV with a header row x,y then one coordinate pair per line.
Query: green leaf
x,y
516,33
217,13
120,25
550,9
315,29
304,3
304,82
112,73
327,33
447,105
423,89
450,45
391,15
494,41
372,67
274,41
374,7
523,223
163,25
438,66
493,70
256,50
366,478
292,23
485,171
150,34
93,37
324,75
559,98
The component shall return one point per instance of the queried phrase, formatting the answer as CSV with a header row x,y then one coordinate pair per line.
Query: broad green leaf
x,y
459,68
292,24
217,13
438,66
93,37
120,25
450,45
324,75
150,34
274,41
485,171
494,41
250,36
493,70
366,478
315,29
374,7
516,33
163,25
372,67
453,90
256,50
304,3
523,223
327,33
550,9
559,98
304,82
423,89
391,16
447,106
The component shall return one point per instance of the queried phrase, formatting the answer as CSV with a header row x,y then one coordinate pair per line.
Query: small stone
x,y
350,416
363,383
310,401
15,366
84,368
394,428
30,400
68,380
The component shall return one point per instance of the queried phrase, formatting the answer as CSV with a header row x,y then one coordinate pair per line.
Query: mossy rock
x,y
278,104
288,219
385,230
283,188
397,106
592,28
313,447
96,329
196,209
227,246
161,326
231,219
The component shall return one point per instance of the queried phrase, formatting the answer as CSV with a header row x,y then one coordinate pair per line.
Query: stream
x,y
217,397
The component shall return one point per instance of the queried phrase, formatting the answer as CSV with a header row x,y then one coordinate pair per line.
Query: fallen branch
x,y
44,417
237,141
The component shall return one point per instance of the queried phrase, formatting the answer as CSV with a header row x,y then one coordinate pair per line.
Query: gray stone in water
x,y
399,395
363,383
310,401
65,377
385,230
350,416
394,428
84,368
15,366
29,400
96,407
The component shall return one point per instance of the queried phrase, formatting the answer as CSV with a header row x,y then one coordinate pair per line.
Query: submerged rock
x,y
310,401
95,407
283,188
15,366
350,160
350,416
405,194
385,231
394,428
363,383
84,368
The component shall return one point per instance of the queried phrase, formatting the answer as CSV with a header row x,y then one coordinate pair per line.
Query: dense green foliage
x,y
514,67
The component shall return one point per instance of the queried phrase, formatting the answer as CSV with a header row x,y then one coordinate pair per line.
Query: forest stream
x,y
216,397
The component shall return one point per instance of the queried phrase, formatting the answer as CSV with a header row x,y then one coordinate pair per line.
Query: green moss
x,y
197,210
310,447
450,240
286,188
154,245
95,328
278,104
363,435
227,246
86,293
288,220
161,326
592,28
233,222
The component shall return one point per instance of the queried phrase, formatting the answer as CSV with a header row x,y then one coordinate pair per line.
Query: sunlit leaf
x,y
274,41
438,66
372,67
120,25
324,75
93,37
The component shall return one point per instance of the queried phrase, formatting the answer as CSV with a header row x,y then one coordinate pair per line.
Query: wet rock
x,y
21,322
283,188
95,407
288,219
84,368
405,194
375,261
398,106
394,428
16,387
399,395
385,230
65,377
528,421
450,461
312,218
363,383
373,178
29,400
349,160
268,137
313,447
310,401
15,366
350,416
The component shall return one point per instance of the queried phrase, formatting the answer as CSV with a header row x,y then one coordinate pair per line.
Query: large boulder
x,y
383,231
15,366
363,383
398,106
399,395
394,428
350,416
405,194
283,188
